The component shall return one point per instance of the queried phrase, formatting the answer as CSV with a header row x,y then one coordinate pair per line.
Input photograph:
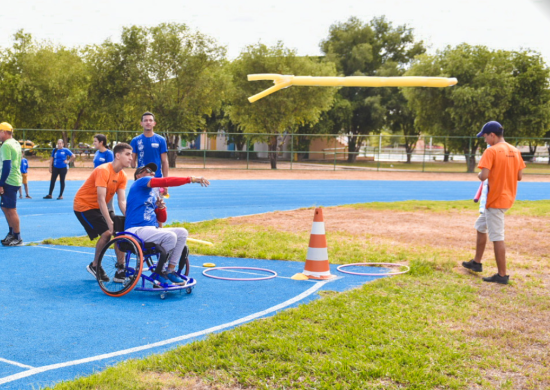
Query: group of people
x,y
501,164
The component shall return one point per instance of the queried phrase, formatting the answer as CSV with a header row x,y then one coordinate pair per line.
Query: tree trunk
x,y
239,145
548,154
353,145
409,149
173,143
446,153
273,151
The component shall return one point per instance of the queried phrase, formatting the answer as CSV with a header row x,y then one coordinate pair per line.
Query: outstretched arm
x,y
176,181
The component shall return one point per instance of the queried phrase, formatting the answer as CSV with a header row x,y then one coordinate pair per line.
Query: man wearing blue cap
x,y
503,165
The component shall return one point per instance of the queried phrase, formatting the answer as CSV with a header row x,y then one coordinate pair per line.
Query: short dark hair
x,y
147,113
120,147
101,138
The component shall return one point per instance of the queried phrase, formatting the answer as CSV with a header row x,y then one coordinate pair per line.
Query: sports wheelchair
x,y
128,253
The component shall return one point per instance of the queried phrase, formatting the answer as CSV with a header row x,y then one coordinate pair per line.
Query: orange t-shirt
x,y
504,162
103,176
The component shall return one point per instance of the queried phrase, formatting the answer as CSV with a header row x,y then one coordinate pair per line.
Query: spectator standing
x,y
61,156
24,171
503,165
10,182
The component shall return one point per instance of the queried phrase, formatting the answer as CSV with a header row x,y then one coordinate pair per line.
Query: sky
x,y
299,24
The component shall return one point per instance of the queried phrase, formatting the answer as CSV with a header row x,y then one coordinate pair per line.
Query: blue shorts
x,y
9,197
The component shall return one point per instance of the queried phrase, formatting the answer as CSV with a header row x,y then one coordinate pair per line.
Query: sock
x,y
17,235
11,230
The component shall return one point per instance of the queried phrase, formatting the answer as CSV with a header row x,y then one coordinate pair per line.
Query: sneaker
x,y
14,242
28,197
47,197
496,278
176,279
59,198
163,278
472,265
91,269
7,239
120,276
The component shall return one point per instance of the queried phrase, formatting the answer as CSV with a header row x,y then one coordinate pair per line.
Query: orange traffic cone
x,y
317,265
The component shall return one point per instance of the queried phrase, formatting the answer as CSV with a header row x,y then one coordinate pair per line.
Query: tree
x,y
369,49
48,87
281,112
483,92
168,70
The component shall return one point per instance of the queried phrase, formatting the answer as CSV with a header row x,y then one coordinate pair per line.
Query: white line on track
x,y
251,317
15,363
65,250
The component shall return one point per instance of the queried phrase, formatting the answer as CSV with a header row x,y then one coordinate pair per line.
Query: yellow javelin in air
x,y
285,80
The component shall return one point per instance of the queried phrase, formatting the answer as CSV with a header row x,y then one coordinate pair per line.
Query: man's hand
x,y
1,190
203,182
160,203
111,226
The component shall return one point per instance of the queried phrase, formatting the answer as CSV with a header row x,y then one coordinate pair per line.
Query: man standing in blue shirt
x,y
150,147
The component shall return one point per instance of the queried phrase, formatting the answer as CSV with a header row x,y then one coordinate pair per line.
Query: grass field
x,y
436,327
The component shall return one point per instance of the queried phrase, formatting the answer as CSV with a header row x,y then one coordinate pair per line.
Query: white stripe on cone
x,y
311,273
318,228
317,254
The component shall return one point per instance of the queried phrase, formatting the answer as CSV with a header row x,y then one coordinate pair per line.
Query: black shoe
x,y
47,197
120,274
60,197
14,242
472,265
7,239
496,278
91,269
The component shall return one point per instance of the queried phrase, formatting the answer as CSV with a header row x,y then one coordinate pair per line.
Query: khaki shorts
x,y
492,222
25,178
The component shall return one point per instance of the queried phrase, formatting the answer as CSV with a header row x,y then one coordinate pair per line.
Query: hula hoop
x,y
205,273
339,268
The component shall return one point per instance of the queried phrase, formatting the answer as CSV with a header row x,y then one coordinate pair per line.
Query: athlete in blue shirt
x,y
58,167
24,170
150,147
102,155
144,208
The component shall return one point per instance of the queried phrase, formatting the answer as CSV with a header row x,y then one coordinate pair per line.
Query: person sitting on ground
x,y
144,212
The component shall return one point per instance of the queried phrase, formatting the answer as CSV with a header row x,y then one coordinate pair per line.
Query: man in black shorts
x,y
90,202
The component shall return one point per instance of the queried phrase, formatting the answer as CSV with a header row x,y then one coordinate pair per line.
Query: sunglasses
x,y
148,170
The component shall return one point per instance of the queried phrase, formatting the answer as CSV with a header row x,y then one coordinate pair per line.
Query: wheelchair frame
x,y
131,245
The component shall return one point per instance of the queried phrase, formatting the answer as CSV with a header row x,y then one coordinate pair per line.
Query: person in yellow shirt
x,y
503,165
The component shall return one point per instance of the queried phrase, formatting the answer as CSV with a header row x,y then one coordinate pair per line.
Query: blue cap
x,y
491,127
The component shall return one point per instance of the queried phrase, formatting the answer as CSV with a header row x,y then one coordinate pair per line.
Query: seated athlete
x,y
144,212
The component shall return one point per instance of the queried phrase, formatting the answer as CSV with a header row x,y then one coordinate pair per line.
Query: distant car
x,y
28,147
84,148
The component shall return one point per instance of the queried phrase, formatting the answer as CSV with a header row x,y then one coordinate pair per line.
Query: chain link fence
x,y
221,150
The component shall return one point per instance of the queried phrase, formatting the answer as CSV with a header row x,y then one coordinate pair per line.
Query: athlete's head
x,y
6,131
123,153
99,141
148,121
60,144
147,170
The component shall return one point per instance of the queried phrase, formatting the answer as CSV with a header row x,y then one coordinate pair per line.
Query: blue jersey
x,y
24,165
101,158
141,204
149,150
60,157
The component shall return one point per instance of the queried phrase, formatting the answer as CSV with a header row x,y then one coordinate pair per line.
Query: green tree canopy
x,y
281,112
369,49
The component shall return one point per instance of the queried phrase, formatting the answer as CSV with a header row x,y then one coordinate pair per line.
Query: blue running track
x,y
55,323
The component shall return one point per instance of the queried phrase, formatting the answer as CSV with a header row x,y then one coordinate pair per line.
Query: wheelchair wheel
x,y
122,260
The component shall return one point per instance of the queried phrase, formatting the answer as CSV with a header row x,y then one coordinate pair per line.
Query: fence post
x,y
379,149
247,152
291,149
469,153
424,157
204,153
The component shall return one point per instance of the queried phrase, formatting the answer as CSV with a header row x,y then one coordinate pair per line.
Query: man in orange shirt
x,y
503,165
90,202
